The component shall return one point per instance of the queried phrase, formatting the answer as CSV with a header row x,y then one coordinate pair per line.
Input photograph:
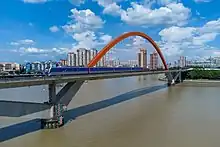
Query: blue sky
x,y
34,30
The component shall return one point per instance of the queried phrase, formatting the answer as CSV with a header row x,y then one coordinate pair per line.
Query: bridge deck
x,y
22,82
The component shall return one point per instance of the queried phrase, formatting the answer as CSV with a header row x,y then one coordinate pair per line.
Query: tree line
x,y
201,73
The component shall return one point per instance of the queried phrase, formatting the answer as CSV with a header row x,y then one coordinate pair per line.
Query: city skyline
x,y
34,30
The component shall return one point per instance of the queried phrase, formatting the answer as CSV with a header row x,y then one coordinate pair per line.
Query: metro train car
x,y
61,71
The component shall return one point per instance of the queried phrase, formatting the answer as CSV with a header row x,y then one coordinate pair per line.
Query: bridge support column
x,y
55,119
171,82
58,102
170,79
180,77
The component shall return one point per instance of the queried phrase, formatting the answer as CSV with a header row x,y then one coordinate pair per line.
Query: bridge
x,y
58,101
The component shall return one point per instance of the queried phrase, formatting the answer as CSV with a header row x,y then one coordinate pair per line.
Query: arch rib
x,y
111,44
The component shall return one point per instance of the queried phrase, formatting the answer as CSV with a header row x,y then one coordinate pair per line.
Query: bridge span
x,y
34,81
58,101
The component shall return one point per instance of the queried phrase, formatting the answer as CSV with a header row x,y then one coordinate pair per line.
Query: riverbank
x,y
201,83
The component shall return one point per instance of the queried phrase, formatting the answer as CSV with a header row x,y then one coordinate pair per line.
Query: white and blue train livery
x,y
55,71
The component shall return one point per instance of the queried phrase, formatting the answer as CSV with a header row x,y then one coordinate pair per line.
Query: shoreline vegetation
x,y
200,75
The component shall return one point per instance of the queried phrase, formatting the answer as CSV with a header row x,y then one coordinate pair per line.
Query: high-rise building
x,y
178,63
88,57
182,62
71,59
78,57
81,57
93,53
62,61
102,62
9,66
84,57
142,58
154,60
132,63
36,66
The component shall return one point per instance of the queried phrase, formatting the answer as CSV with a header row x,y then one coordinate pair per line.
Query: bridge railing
x,y
44,77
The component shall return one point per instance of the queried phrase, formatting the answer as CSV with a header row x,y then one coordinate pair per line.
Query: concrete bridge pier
x,y
55,119
170,80
178,77
58,103
174,78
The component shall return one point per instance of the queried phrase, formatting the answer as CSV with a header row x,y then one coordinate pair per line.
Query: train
x,y
68,70
61,71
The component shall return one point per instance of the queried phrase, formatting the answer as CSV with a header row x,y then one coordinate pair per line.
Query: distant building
x,y
142,58
175,64
63,62
28,67
82,57
103,61
133,63
182,61
88,57
71,59
154,60
93,53
9,66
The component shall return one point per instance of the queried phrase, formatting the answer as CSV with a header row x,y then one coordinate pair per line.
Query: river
x,y
126,112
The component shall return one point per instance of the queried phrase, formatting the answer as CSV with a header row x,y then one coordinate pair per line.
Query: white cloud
x,y
74,2
61,50
216,53
182,33
204,38
149,3
37,51
105,3
34,1
112,9
31,50
211,26
85,40
89,40
54,29
77,2
197,1
138,42
165,2
173,13
190,40
122,50
106,38
14,43
23,42
171,49
83,20
82,28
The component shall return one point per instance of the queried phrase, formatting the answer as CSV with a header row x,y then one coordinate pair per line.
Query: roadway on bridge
x,y
33,81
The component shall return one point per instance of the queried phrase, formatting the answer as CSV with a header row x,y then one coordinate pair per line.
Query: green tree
x,y
200,73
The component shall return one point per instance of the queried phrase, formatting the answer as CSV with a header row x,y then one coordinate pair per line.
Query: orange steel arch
x,y
111,44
